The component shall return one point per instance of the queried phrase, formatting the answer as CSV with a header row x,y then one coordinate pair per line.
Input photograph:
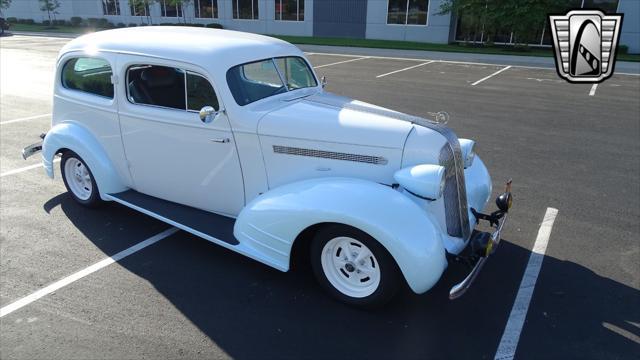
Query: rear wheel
x,y
79,180
353,267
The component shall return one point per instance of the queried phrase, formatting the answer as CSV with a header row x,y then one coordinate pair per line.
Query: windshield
x,y
258,80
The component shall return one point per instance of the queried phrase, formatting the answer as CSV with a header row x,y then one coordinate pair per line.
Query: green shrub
x,y
59,22
12,20
46,22
197,25
132,25
75,21
120,25
29,21
214,26
92,22
623,49
103,23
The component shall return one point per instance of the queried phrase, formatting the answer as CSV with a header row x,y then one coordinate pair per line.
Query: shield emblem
x,y
585,43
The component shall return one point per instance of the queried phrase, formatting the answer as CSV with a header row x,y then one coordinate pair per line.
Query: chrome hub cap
x,y
350,267
78,178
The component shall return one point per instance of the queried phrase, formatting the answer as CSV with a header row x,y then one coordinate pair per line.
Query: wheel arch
x,y
72,136
281,222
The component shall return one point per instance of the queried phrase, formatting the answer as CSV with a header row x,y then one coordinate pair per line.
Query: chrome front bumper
x,y
460,288
482,243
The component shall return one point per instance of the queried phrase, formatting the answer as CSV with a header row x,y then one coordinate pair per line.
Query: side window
x,y
200,93
156,85
91,75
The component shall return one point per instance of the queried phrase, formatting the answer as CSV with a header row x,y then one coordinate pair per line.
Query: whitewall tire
x,y
353,267
79,180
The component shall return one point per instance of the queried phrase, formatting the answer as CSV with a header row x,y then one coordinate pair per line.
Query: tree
x,y
522,17
4,5
50,6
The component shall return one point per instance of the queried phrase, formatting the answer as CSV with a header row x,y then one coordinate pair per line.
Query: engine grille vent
x,y
368,159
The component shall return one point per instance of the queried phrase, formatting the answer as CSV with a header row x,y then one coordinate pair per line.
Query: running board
x,y
207,225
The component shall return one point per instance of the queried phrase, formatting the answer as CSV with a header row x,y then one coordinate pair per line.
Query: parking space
x,y
183,297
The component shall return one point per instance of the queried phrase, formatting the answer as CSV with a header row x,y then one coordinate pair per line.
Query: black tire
x,y
390,276
94,199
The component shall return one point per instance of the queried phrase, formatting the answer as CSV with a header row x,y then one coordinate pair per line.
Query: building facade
x,y
407,20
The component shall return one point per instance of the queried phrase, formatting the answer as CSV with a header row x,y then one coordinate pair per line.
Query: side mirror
x,y
323,81
208,114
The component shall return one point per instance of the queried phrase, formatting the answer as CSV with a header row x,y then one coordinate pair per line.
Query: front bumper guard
x,y
498,218
460,288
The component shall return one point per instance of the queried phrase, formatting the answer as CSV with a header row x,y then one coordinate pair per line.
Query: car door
x,y
172,154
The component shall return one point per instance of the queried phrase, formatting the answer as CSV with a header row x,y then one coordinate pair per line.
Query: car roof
x,y
184,43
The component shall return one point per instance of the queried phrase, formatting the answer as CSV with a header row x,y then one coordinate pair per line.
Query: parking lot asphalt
x,y
574,148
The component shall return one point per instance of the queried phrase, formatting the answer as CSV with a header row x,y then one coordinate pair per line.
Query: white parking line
x,y
24,119
592,92
26,168
408,68
451,62
341,62
511,335
490,76
84,272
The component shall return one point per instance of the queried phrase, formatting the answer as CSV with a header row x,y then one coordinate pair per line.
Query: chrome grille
x,y
375,160
453,206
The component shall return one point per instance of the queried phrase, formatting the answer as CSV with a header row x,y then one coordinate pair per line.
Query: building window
x,y
289,10
245,9
407,12
111,7
139,8
206,8
169,10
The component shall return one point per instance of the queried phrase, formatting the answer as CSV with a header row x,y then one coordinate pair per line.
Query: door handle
x,y
221,140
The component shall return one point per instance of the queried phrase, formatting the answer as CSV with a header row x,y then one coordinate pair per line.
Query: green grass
x,y
54,29
365,43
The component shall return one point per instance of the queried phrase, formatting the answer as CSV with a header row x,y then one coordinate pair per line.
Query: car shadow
x,y
252,311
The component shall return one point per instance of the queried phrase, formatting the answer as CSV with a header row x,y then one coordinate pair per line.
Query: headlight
x,y
468,148
425,181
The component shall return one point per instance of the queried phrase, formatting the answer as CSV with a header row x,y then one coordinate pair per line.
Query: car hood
x,y
331,118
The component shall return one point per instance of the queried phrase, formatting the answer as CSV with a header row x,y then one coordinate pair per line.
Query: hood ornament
x,y
440,118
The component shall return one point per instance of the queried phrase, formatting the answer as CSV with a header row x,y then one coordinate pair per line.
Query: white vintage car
x,y
230,136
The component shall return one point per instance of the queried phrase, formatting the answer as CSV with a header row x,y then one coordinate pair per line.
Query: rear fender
x,y
75,137
272,221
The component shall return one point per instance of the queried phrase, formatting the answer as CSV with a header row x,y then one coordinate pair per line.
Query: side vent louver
x,y
368,159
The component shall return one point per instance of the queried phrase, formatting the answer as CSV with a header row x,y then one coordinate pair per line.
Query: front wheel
x,y
79,180
353,267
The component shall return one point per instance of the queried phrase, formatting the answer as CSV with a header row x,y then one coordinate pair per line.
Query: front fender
x,y
272,221
73,136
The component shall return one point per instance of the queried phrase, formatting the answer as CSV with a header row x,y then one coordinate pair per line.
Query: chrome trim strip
x,y
368,159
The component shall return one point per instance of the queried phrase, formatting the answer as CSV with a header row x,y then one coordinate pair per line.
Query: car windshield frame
x,y
239,70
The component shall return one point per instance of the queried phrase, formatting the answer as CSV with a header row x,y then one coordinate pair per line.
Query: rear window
x,y
90,75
